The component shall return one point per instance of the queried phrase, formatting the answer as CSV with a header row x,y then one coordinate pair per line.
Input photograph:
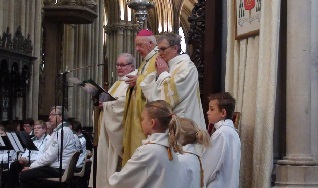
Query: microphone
x,y
79,68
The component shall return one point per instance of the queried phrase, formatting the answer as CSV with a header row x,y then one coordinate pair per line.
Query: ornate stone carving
x,y
119,27
15,63
19,43
196,37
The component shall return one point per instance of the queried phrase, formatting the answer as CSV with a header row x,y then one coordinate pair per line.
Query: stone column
x,y
119,29
314,78
32,111
298,168
11,17
120,39
22,17
37,32
2,26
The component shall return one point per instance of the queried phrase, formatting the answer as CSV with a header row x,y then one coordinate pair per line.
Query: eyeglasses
x,y
26,125
37,128
122,65
162,49
55,114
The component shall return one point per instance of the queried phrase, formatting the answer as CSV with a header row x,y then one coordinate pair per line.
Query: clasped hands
x,y
161,66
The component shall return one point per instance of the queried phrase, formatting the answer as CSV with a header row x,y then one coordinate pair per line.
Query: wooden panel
x,y
212,51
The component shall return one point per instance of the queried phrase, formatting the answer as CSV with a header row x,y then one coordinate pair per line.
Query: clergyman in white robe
x,y
110,142
179,87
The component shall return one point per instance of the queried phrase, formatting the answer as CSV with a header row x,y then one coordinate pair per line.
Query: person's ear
x,y
223,113
150,43
153,123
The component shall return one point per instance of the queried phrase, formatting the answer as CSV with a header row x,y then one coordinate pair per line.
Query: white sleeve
x,y
25,154
213,157
77,142
172,87
50,155
134,173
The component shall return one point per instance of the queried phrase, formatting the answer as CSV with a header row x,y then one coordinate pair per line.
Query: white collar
x,y
226,122
150,54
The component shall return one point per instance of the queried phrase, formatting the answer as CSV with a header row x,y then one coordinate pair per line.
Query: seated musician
x,y
28,156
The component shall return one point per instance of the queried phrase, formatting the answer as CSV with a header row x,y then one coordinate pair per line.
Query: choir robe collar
x,y
226,122
65,124
157,138
39,139
190,148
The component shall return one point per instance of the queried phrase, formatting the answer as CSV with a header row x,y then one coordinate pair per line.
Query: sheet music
x,y
75,80
15,142
92,88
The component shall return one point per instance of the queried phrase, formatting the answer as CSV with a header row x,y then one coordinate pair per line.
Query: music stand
x,y
18,147
28,143
4,145
7,146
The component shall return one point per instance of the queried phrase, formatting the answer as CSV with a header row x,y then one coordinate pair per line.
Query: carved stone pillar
x,y
298,168
120,40
2,28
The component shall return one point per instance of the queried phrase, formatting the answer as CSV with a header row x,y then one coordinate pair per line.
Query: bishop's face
x,y
143,46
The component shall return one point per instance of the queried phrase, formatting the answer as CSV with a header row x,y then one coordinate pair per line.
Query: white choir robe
x,y
40,144
179,87
110,141
149,166
221,161
190,171
83,151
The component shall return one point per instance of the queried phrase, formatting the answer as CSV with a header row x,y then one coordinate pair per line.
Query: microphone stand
x,y
64,94
29,157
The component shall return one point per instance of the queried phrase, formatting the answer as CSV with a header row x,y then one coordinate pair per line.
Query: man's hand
x,y
23,160
25,168
100,105
161,65
131,81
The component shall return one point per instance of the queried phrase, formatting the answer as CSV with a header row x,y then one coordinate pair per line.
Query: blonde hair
x,y
40,122
191,134
161,112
